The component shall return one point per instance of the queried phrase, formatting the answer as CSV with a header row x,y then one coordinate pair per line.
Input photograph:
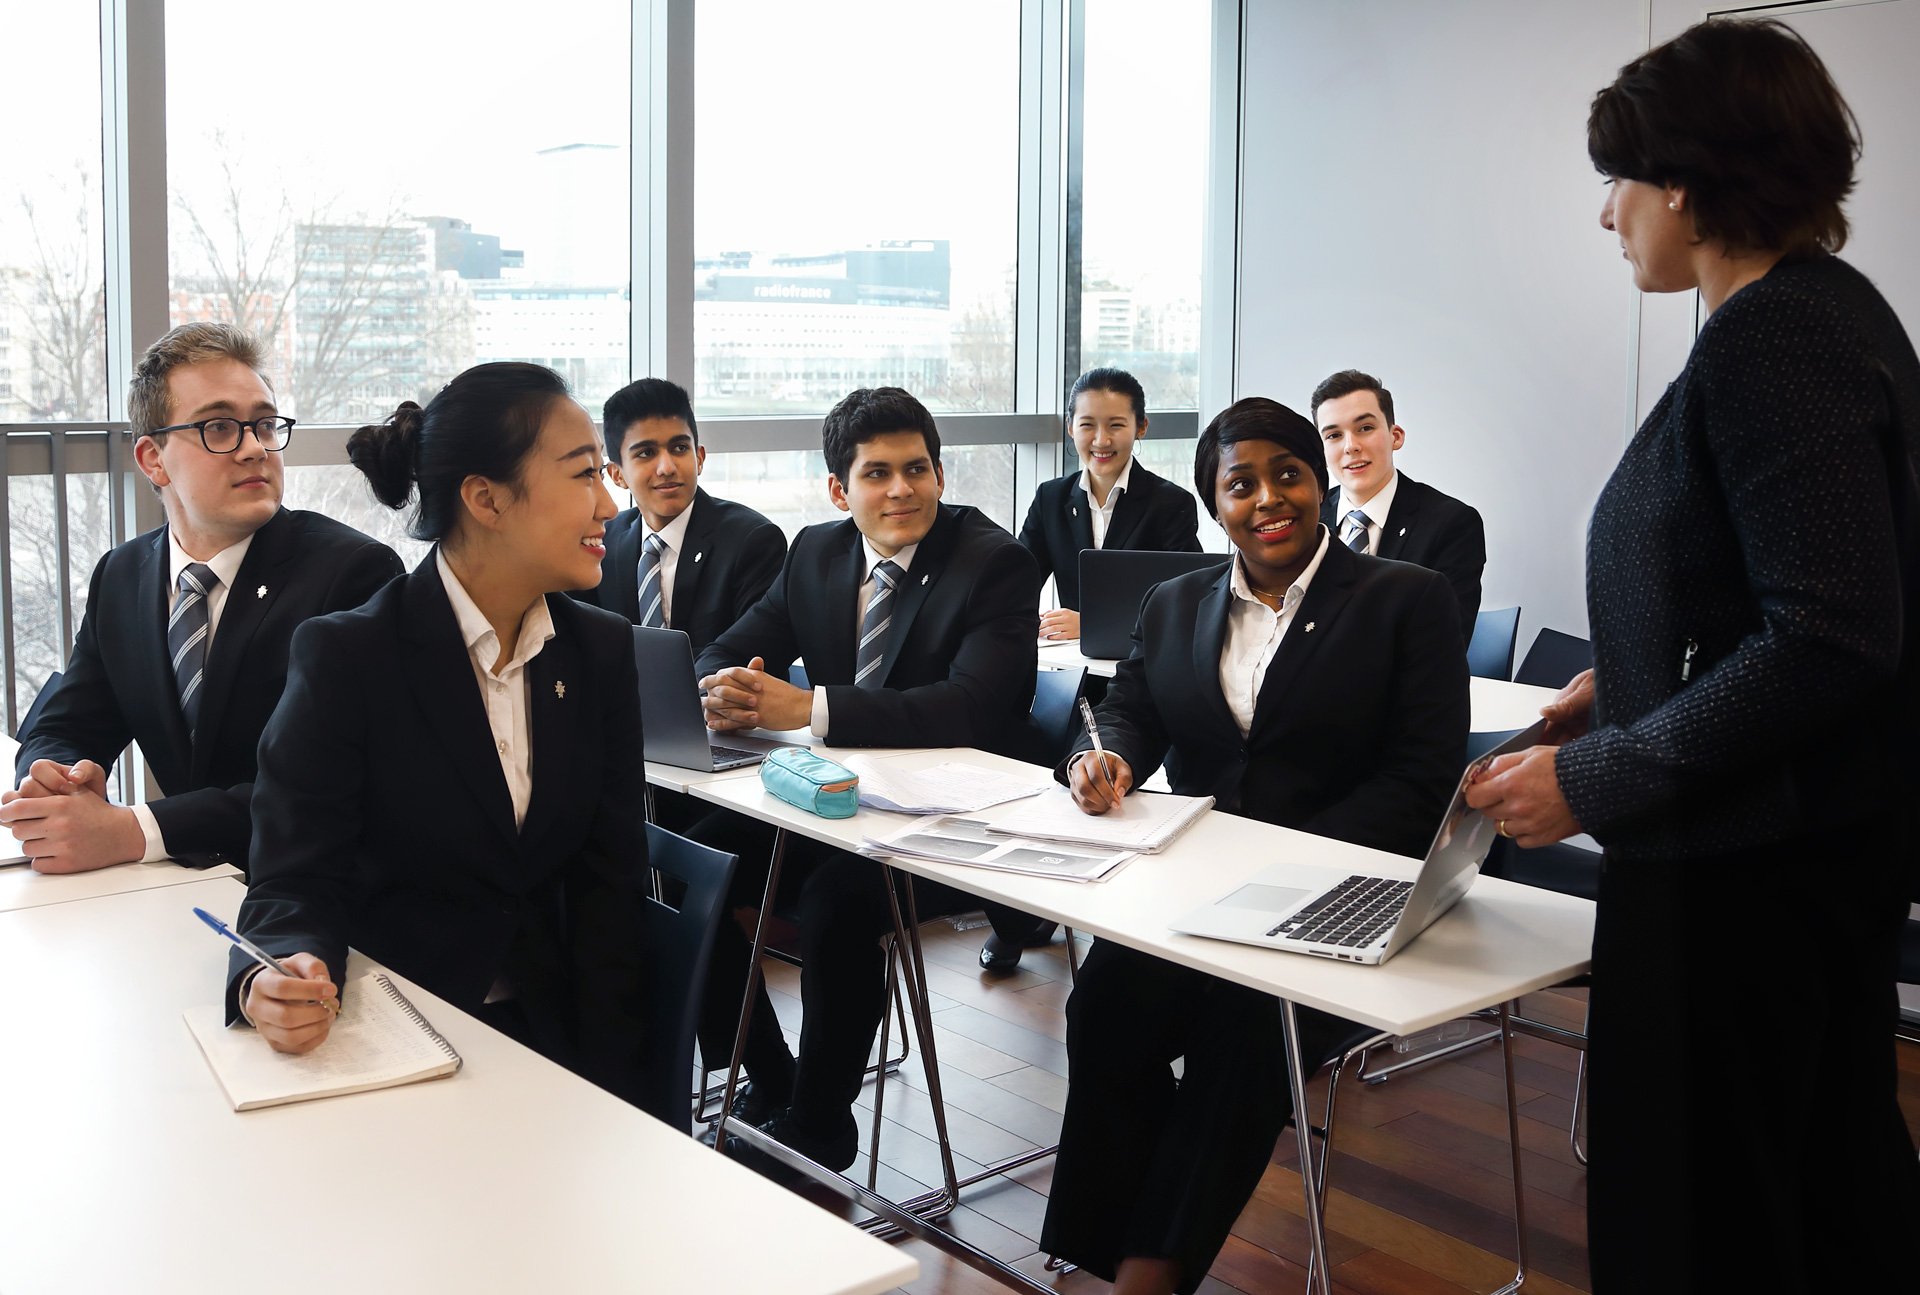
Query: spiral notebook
x,y
380,1041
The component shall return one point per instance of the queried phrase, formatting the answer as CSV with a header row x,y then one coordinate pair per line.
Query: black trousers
x,y
839,903
1151,1167
1754,1146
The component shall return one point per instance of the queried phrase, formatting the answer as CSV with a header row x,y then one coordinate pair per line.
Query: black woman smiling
x,y
452,782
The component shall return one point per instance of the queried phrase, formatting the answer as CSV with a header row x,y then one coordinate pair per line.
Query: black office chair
x,y
1909,974
1055,718
47,690
1554,659
1490,651
678,946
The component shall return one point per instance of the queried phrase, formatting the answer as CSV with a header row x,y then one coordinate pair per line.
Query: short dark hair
x,y
1746,117
867,413
1345,383
1118,381
647,398
484,423
1255,418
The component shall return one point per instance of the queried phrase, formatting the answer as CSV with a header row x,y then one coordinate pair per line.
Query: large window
x,y
857,169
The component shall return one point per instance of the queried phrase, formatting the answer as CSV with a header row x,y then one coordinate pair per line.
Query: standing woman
x,y
1743,745
452,782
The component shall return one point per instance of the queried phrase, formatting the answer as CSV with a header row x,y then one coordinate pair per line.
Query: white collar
x,y
871,556
674,533
1377,507
1295,591
476,631
225,563
1119,486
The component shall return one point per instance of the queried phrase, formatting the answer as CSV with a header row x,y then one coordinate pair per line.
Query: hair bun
x,y
386,454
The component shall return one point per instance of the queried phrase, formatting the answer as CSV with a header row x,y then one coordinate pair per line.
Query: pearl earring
x,y
1673,205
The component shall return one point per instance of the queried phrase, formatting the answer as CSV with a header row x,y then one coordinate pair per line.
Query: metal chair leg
x,y
1073,958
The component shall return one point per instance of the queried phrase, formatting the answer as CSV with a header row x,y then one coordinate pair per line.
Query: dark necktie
x,y
1357,538
873,628
187,630
650,603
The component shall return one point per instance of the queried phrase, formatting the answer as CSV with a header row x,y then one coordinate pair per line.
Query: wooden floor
x,y
1422,1197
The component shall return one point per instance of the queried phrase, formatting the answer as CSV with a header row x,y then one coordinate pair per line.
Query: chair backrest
x,y
1563,868
1056,713
47,690
1490,653
1554,659
679,944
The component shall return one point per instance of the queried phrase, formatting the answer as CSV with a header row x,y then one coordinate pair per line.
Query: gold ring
x,y
1503,829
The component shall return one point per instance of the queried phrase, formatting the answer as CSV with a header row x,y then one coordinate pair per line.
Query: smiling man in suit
x,y
680,558
916,620
183,648
1372,508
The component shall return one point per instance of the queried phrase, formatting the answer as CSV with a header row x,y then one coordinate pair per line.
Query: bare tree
x,y
66,310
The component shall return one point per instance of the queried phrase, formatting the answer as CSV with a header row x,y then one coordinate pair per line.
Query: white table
x,y
22,887
127,1169
1500,941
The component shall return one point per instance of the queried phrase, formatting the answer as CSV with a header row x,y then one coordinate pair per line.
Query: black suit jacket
x,y
1153,513
959,662
1360,728
732,554
119,685
384,821
1430,530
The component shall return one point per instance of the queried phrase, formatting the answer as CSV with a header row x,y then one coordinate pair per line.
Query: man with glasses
x,y
183,646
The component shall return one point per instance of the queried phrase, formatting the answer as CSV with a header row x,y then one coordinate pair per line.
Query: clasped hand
x,y
748,697
62,818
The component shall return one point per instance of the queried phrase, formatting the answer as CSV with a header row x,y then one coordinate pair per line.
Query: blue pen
x,y
247,946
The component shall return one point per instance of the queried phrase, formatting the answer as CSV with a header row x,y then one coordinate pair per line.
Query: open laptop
x,y
1360,918
1113,582
671,722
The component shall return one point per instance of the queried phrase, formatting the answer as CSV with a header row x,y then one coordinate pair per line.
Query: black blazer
x,y
1753,585
959,664
1360,728
1430,530
732,555
119,684
1153,513
384,821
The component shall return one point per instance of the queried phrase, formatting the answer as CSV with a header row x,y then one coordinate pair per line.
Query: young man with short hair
x,y
183,648
1372,508
680,558
916,620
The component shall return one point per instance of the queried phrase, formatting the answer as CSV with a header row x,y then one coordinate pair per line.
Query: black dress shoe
x,y
1002,954
752,1104
834,1149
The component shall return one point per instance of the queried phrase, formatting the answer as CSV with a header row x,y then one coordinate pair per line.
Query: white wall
x,y
1417,202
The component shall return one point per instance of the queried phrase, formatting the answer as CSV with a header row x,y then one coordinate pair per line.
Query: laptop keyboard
x,y
1351,914
732,757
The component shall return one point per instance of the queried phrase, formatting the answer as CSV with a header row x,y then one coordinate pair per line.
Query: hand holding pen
x,y
1097,779
291,1001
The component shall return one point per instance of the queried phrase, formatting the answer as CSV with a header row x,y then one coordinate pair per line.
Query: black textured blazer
x,y
1153,513
1360,728
732,554
1750,565
1430,530
119,686
959,661
383,821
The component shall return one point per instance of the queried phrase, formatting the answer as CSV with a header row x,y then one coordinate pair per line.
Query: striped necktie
x,y
650,591
873,627
1357,536
187,633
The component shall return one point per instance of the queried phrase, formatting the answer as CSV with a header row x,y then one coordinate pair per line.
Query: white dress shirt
x,y
817,725
1103,513
1376,510
226,566
1254,634
504,693
673,536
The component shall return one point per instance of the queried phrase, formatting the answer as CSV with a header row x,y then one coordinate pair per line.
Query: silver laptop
x,y
1360,918
671,721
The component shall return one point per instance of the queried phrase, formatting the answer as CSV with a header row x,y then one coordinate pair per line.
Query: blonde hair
x,y
147,404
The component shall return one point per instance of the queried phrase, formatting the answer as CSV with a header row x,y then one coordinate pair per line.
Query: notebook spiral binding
x,y
413,1014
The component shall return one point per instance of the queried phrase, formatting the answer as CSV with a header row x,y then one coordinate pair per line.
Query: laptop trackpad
x,y
1265,899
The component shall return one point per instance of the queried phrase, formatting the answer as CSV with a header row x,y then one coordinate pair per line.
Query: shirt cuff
x,y
818,724
156,844
246,983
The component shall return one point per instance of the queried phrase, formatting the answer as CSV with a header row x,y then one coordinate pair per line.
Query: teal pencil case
x,y
811,782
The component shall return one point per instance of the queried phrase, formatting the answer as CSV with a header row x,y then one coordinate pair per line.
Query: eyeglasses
x,y
223,435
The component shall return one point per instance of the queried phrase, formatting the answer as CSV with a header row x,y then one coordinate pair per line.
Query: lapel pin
x,y
559,689
1403,531
261,592
1309,628
1074,512
701,554
924,579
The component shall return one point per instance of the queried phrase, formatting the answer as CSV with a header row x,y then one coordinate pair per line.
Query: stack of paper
x,y
951,788
1145,821
970,842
